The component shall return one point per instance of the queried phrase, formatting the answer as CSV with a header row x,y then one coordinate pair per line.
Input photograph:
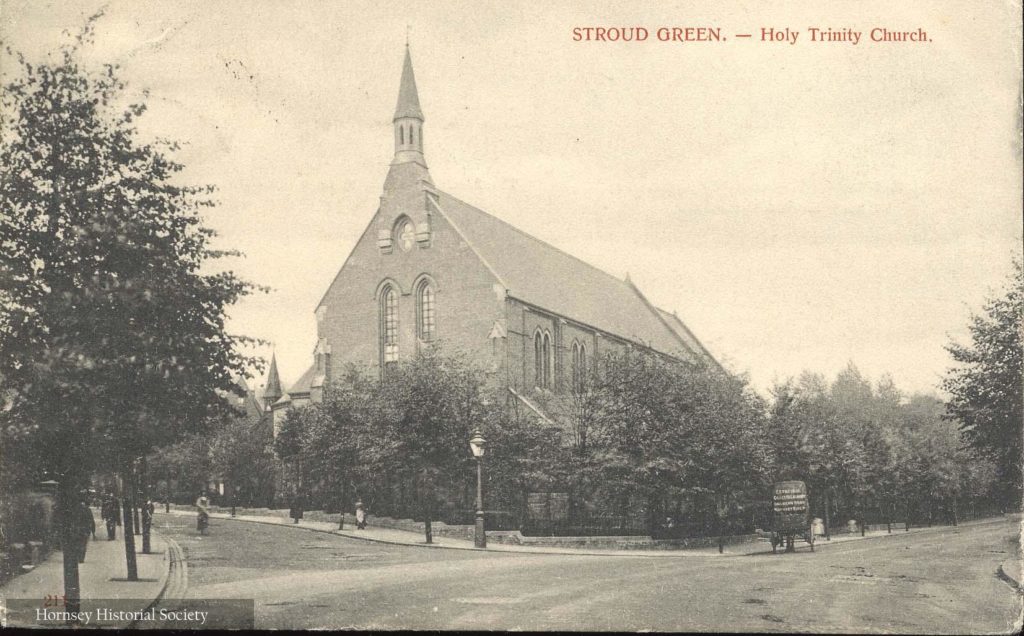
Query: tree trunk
x,y
828,524
145,500
135,501
127,502
428,511
720,523
342,504
69,543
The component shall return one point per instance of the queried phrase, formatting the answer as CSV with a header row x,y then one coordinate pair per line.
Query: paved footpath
x,y
102,577
404,537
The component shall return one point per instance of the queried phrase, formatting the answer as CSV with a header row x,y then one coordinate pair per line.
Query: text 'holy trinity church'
x,y
430,267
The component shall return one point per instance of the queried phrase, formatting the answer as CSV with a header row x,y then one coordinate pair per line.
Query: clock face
x,y
406,236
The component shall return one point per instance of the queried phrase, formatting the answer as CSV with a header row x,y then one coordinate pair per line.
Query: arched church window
x,y
401,135
579,366
426,325
548,360
575,362
404,233
412,135
538,360
388,328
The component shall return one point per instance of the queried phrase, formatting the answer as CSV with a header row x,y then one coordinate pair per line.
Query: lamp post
x,y
478,445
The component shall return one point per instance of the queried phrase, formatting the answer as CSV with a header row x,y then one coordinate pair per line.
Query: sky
x,y
801,206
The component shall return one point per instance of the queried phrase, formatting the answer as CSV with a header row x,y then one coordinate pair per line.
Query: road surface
x,y
941,580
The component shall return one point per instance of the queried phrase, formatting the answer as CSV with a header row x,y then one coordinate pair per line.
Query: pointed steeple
x,y
273,391
408,120
408,98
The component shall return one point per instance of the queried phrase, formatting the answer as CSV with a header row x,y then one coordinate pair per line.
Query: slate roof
x,y
546,277
301,387
686,335
251,400
408,99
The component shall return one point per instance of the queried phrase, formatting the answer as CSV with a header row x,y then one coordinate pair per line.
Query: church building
x,y
430,267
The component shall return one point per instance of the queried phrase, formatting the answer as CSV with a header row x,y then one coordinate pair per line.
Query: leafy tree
x,y
112,337
337,440
671,430
830,436
183,467
429,408
985,388
865,449
787,434
525,454
241,452
938,468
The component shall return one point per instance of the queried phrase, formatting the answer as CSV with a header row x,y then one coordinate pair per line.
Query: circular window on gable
x,y
405,234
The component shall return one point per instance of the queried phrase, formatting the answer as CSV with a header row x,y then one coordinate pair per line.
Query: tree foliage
x,y
986,385
668,429
867,451
112,319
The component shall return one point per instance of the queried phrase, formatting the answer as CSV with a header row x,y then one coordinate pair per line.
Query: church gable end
x,y
430,268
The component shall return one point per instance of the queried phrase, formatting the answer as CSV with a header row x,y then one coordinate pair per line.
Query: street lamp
x,y
478,445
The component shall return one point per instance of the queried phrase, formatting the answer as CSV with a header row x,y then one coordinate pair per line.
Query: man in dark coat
x,y
84,527
110,512
298,504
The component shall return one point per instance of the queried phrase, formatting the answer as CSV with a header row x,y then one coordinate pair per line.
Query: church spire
x,y
408,98
408,120
273,391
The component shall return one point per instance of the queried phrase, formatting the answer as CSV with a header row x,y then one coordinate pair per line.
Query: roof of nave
x,y
544,276
684,332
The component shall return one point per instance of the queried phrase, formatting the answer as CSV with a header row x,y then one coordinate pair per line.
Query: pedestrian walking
x,y
147,515
110,512
84,526
298,503
360,516
203,512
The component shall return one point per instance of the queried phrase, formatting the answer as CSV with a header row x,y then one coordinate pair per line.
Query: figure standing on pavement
x,y
298,503
84,525
203,511
110,512
147,514
360,516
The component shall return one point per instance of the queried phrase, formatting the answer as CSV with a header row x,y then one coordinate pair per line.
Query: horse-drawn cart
x,y
790,516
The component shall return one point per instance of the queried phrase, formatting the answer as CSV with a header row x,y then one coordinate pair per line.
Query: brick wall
x,y
466,301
